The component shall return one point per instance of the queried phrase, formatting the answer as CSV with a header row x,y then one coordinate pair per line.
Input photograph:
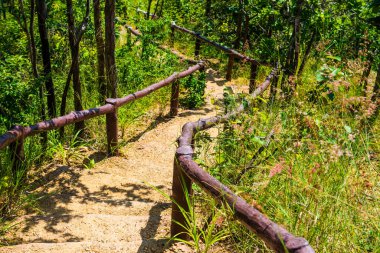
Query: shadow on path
x,y
58,189
149,243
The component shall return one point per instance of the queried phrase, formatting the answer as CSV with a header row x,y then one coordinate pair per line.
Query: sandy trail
x,y
113,206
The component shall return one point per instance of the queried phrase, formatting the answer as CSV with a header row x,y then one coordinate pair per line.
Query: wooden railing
x,y
152,15
186,171
17,134
162,47
231,53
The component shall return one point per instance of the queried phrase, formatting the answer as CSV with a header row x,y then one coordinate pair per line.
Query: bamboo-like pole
x,y
174,99
112,129
230,66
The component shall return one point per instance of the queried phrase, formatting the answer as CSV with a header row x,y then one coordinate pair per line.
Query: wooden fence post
x,y
197,47
18,154
229,67
112,130
129,39
174,99
273,89
171,41
182,185
253,75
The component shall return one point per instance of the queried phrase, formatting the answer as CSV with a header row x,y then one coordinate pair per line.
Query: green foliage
x,y
13,181
18,97
64,153
325,77
194,90
201,238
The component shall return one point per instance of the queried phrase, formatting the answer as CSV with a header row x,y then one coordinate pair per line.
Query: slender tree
x,y
376,88
33,59
159,13
109,16
100,51
3,10
42,15
297,35
75,36
307,53
158,3
28,29
208,9
148,9
239,25
292,58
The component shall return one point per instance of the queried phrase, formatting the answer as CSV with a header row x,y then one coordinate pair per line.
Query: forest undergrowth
x,y
310,163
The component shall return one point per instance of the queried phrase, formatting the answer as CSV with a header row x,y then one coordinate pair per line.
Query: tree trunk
x,y
156,8
273,89
367,71
3,10
288,63
161,7
29,32
297,35
293,53
109,15
100,51
33,51
64,100
307,53
376,88
289,58
239,25
33,60
74,49
42,15
21,18
270,25
208,22
148,9
208,9
246,33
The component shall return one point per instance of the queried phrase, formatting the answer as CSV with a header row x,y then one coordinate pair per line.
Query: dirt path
x,y
112,207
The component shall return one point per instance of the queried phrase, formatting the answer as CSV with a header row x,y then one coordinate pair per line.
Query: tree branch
x,y
79,31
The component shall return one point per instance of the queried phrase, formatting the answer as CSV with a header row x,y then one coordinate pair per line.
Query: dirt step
x,y
77,205
110,173
139,246
101,228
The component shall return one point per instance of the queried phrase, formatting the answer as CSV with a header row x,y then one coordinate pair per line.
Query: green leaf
x,y
320,77
258,140
348,129
337,58
335,72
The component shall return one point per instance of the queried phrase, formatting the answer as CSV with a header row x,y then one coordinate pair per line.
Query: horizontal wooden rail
x,y
229,51
186,170
232,54
154,16
19,132
164,48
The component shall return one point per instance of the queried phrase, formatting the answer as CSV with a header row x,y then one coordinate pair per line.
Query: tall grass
x,y
319,176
